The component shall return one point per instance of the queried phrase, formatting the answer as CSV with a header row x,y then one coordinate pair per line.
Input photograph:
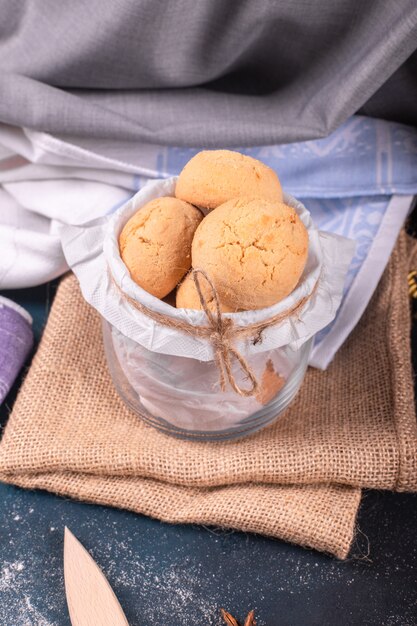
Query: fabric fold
x,y
257,74
350,427
319,516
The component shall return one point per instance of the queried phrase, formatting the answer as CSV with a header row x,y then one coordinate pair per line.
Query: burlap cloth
x,y
300,479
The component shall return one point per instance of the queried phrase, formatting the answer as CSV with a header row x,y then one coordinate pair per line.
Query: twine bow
x,y
220,338
221,332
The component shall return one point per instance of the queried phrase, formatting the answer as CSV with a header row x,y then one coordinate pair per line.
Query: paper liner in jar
x,y
92,252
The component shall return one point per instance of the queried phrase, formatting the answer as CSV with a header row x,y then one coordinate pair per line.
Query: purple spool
x,y
16,341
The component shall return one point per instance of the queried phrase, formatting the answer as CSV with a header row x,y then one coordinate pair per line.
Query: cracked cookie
x,y
254,251
188,298
155,244
213,177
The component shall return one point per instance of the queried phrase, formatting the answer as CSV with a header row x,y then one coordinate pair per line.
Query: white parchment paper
x,y
92,252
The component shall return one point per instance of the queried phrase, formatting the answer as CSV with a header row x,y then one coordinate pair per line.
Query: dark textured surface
x,y
167,575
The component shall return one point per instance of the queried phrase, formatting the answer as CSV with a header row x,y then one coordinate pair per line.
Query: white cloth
x,y
359,183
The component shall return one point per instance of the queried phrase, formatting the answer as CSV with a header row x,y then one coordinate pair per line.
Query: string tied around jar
x,y
222,328
221,331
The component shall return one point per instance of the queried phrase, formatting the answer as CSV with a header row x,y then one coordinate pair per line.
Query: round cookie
x,y
155,244
254,251
213,177
188,298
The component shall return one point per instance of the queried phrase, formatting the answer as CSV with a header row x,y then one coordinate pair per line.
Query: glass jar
x,y
182,396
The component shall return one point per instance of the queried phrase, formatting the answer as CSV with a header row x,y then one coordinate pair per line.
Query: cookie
x,y
213,177
188,298
254,251
155,244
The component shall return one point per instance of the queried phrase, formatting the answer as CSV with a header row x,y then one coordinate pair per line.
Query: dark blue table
x,y
168,575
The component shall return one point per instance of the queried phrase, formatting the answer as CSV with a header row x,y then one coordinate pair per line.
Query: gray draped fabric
x,y
205,72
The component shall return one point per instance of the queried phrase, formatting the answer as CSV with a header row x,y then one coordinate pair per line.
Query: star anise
x,y
231,621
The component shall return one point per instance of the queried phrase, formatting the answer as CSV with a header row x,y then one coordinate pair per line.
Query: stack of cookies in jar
x,y
228,219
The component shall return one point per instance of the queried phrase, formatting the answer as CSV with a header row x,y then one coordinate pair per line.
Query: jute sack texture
x,y
352,426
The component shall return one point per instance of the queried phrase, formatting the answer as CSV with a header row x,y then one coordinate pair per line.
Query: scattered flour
x,y
163,598
16,608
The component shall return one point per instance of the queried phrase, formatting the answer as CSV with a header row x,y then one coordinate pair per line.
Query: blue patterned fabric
x,y
364,156
347,181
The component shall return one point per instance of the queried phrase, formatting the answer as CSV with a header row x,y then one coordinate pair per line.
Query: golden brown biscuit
x,y
254,251
155,244
188,298
213,177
